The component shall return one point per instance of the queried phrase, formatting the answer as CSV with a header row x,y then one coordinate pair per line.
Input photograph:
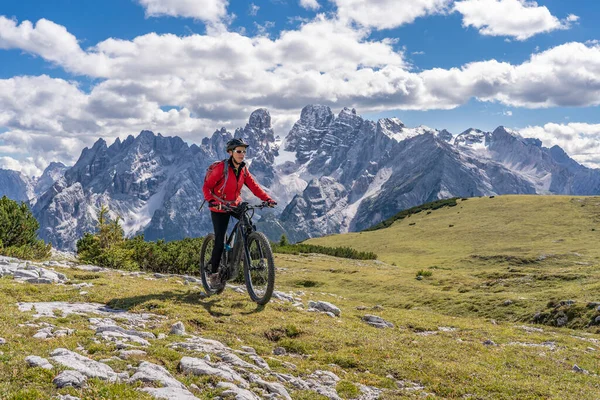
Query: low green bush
x,y
343,252
424,273
108,247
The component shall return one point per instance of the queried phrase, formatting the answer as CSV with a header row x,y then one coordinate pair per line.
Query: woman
x,y
223,187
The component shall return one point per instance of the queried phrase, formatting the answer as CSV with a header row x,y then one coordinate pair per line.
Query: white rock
x,y
234,360
128,332
325,307
237,392
69,378
47,309
178,328
125,354
202,345
35,361
66,397
86,366
274,387
377,322
24,273
260,362
169,393
249,349
149,372
197,366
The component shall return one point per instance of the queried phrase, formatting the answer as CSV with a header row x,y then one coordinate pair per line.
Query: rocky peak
x,y
258,132
472,137
445,135
349,117
53,172
263,149
533,142
260,119
307,133
563,159
389,126
216,144
502,133
316,116
91,162
13,185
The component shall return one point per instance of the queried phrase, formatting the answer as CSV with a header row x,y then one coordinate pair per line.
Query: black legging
x,y
220,222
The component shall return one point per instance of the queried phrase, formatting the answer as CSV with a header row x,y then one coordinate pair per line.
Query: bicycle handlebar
x,y
262,205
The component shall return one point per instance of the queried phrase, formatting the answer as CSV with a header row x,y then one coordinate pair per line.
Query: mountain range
x,y
330,174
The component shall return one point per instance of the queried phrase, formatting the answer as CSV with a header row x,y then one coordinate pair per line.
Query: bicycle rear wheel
x,y
259,270
205,255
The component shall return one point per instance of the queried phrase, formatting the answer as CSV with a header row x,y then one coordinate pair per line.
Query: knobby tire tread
x,y
268,254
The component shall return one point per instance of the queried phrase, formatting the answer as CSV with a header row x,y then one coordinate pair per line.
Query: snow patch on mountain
x,y
382,176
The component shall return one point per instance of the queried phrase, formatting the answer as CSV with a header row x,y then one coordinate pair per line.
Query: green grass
x,y
533,251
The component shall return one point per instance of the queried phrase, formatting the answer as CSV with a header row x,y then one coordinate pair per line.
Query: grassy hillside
x,y
533,251
465,331
524,226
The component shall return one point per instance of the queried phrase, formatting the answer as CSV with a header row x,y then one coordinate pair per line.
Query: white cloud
x,y
263,29
253,10
387,14
218,79
580,140
507,113
26,166
52,42
310,4
210,11
567,75
520,19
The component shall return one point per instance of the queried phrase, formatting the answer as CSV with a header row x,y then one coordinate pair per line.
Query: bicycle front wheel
x,y
259,269
208,245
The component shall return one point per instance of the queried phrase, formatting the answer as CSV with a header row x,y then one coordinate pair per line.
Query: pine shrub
x,y
18,232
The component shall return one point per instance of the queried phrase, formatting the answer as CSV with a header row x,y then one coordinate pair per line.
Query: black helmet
x,y
233,143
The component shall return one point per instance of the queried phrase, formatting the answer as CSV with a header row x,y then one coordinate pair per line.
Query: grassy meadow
x,y
477,294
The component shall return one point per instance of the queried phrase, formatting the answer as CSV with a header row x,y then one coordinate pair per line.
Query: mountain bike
x,y
245,245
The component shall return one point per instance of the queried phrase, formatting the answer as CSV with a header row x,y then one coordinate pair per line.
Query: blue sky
x,y
74,71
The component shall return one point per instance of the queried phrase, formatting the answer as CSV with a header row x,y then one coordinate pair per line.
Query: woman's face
x,y
238,154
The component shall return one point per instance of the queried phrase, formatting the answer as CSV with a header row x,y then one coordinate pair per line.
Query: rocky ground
x,y
241,373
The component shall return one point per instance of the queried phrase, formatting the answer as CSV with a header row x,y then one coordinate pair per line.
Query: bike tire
x,y
205,254
259,270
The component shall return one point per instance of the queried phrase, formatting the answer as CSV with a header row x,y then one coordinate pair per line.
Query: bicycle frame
x,y
258,263
240,232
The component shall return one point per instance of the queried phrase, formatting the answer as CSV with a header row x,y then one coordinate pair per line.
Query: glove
x,y
271,203
214,204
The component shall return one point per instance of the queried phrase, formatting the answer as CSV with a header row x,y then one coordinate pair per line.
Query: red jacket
x,y
233,187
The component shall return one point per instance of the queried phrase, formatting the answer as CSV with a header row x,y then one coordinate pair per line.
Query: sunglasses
x,y
240,151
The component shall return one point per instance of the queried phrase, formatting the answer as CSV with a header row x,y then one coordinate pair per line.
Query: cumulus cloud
x,y
53,43
219,78
580,140
387,14
211,11
27,165
310,4
520,19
